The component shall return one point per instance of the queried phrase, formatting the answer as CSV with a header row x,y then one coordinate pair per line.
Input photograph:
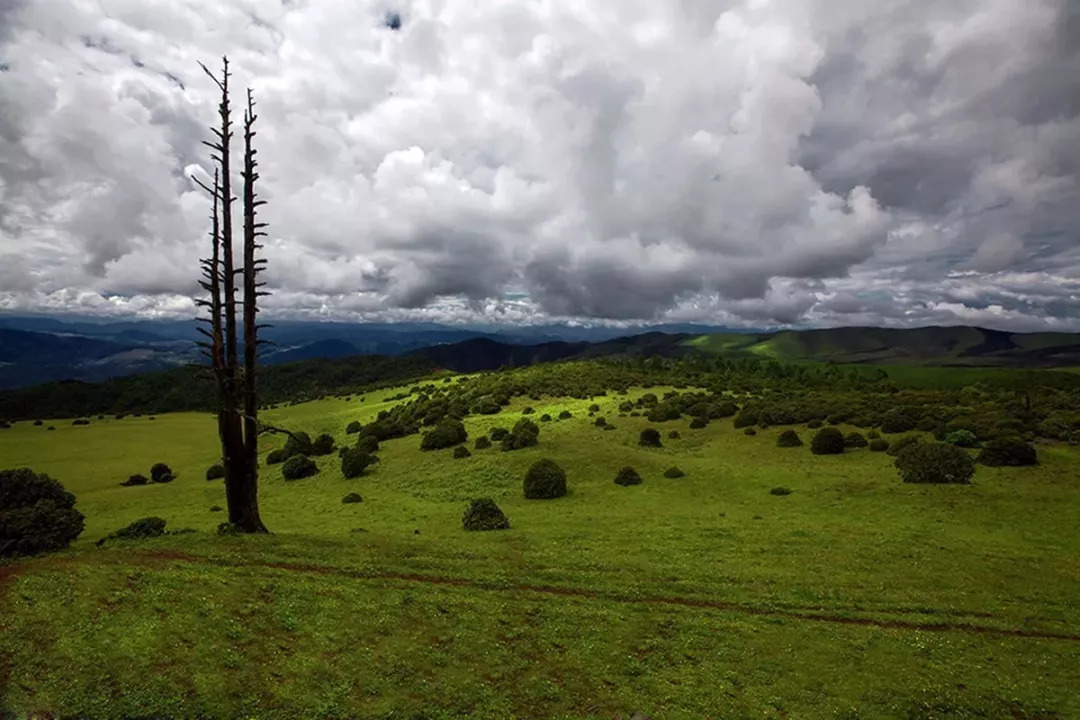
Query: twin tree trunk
x,y
237,412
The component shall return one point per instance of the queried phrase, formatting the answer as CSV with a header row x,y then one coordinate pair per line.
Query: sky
x,y
746,163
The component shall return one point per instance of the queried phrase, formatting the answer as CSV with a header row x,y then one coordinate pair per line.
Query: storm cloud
x,y
751,162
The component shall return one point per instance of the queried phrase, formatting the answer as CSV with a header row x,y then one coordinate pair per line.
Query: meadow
x,y
854,596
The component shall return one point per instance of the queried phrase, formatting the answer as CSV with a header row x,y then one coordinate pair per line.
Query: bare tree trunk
x,y
238,404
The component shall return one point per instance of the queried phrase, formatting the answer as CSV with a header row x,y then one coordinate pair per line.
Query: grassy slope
x,y
856,596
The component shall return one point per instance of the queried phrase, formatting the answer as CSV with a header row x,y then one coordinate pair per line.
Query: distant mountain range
x,y
35,350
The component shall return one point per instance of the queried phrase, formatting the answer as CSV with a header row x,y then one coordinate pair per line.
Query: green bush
x,y
935,463
483,514
482,443
788,438
461,452
814,424
664,412
780,491
745,418
879,445
1008,452
447,433
674,435
698,423
486,406
499,433
827,441
855,440
36,514
353,427
898,445
298,467
900,419
275,456
367,443
873,435
322,445
526,426
134,480
528,411
545,418
297,444
354,462
161,473
650,437
594,408
749,431
351,499
627,476
39,423
961,438
141,529
600,422
545,480
215,472
565,415
674,472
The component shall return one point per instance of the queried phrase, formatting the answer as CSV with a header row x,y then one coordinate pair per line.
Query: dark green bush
x,y
354,462
461,452
351,499
873,435
961,438
545,418
483,514
627,476
565,415
674,472
600,421
297,444
527,411
698,423
486,406
897,446
80,421
141,529
367,443
749,431
879,445
594,408
609,426
674,435
499,433
215,472
650,437
788,438
626,406
827,441
216,508
161,473
275,456
482,443
780,491
1007,452
353,427
855,440
38,423
664,412
36,514
900,419
298,467
545,480
745,418
134,480
935,463
322,445
814,424
447,433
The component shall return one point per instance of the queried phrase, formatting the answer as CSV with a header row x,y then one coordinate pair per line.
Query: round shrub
x,y
354,462
814,424
446,434
609,426
745,418
674,435
780,491
36,514
565,415
961,438
545,418
627,476
650,437
161,473
698,423
1007,452
80,421
545,480
486,406
135,480
38,423
351,499
482,443
789,438
899,419
897,446
528,411
855,440
322,445
749,431
600,421
935,463
353,427
594,408
873,435
298,467
483,514
499,433
50,428
215,472
367,443
674,472
297,444
827,441
879,445
275,456
461,452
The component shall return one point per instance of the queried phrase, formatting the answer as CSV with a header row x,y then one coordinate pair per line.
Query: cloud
x,y
754,162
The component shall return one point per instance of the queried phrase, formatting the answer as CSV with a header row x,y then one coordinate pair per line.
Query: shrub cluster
x,y
141,529
1007,452
788,438
627,476
298,467
354,462
545,480
483,514
827,441
935,463
447,433
525,434
36,514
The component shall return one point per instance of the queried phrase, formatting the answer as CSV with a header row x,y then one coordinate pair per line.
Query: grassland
x,y
853,597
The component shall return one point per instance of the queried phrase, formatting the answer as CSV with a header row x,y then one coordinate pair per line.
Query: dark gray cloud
x,y
784,162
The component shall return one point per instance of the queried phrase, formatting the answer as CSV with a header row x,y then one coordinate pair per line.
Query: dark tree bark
x,y
237,391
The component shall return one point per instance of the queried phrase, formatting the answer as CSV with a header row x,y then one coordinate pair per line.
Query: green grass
x,y
854,597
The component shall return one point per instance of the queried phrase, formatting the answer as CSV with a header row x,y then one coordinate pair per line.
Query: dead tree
x,y
237,409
